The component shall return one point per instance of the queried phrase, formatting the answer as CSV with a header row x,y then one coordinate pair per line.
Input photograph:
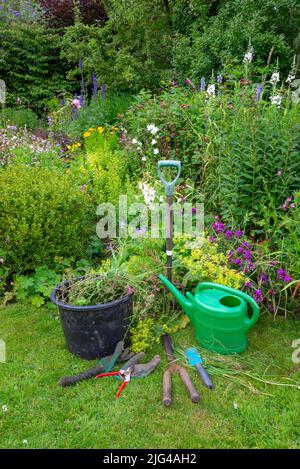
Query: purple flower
x,y
129,290
81,65
292,205
245,244
50,122
279,173
103,92
230,253
240,250
81,100
258,92
219,78
248,284
212,239
194,211
95,85
263,278
174,82
247,255
123,138
237,261
281,274
202,85
287,278
238,233
62,102
218,226
229,234
258,296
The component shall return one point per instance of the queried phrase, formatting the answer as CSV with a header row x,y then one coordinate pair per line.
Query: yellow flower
x,y
115,129
101,130
168,139
69,147
87,134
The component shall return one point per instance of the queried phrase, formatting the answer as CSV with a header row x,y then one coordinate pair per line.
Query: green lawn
x,y
89,416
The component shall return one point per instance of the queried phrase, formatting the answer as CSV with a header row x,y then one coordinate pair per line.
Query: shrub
x,y
19,118
259,166
105,166
43,214
29,58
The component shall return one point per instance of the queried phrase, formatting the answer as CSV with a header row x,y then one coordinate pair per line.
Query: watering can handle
x,y
249,322
169,186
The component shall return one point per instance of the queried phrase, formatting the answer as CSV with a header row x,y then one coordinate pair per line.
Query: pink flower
x,y
76,103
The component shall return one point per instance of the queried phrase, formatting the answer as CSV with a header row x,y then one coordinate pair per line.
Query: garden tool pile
x,y
130,369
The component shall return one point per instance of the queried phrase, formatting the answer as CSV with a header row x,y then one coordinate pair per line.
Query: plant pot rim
x,y
109,304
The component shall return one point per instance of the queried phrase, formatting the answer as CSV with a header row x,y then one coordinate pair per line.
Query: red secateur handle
x,y
115,373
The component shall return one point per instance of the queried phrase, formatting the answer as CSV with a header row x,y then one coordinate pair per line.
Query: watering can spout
x,y
186,304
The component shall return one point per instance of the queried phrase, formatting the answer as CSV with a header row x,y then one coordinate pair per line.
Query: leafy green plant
x,y
18,117
36,288
43,214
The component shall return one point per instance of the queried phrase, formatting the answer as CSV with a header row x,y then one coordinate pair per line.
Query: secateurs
x,y
132,369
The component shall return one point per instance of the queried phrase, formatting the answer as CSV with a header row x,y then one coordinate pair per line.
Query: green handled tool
x,y
169,187
172,367
195,360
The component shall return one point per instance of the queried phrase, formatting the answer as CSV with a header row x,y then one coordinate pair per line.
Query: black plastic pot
x,y
94,331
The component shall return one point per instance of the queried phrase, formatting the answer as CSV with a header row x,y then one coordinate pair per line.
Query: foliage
x,y
21,145
96,112
142,336
144,43
43,214
265,271
199,260
104,167
96,289
260,145
130,51
29,60
21,117
36,288
206,39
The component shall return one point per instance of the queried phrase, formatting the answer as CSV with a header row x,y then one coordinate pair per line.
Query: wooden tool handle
x,y
167,385
90,373
194,395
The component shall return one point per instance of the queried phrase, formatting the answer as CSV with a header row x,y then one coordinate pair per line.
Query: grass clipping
x,y
239,370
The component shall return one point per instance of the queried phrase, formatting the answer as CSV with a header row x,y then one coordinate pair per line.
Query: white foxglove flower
x,y
276,100
144,158
211,91
148,193
235,405
290,77
156,151
248,57
4,408
274,78
152,129
134,141
153,141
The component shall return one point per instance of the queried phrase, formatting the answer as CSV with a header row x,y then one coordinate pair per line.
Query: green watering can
x,y
219,315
